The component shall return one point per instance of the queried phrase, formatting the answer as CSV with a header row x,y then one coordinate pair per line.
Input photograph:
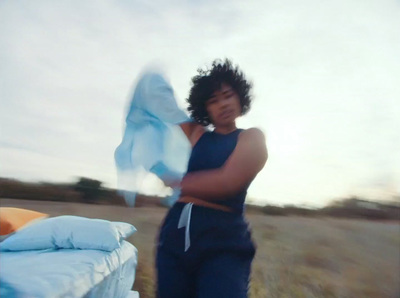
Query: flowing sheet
x,y
153,141
68,273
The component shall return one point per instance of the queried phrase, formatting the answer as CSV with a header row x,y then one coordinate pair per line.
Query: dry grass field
x,y
296,256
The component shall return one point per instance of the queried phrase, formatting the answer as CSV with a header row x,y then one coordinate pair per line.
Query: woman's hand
x,y
172,182
170,178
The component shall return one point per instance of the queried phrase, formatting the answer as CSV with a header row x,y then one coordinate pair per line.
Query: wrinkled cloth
x,y
213,261
52,273
153,141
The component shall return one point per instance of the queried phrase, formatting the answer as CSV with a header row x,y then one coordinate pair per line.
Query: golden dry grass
x,y
296,257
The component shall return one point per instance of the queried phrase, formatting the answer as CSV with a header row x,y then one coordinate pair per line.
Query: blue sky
x,y
325,80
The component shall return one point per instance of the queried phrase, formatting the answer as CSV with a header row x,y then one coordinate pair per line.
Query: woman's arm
x,y
248,158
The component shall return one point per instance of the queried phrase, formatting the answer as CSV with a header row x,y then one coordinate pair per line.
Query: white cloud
x,y
324,80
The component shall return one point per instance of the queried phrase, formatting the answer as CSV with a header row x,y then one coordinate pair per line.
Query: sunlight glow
x,y
285,139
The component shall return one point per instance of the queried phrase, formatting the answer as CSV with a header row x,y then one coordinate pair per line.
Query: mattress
x,y
68,272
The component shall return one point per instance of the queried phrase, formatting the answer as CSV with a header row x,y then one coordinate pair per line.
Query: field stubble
x,y
296,256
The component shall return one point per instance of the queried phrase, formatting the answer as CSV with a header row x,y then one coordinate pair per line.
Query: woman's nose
x,y
223,103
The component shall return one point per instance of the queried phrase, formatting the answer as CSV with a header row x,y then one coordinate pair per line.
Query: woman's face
x,y
223,106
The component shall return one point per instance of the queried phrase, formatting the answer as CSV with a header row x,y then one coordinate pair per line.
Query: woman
x,y
205,247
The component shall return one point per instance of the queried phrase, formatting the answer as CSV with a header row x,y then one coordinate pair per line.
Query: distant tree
x,y
273,210
355,207
89,188
292,209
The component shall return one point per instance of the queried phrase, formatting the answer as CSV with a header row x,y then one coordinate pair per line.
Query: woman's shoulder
x,y
252,138
193,131
252,133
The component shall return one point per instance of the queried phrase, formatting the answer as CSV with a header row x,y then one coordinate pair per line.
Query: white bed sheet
x,y
68,273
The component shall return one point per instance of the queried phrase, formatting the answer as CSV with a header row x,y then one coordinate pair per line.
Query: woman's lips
x,y
225,114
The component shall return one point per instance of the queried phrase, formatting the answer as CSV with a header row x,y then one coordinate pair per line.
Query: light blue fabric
x,y
68,273
152,141
69,232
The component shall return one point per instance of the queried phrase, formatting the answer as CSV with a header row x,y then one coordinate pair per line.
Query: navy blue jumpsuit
x,y
211,255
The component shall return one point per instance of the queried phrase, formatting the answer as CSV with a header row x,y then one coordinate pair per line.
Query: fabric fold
x,y
152,141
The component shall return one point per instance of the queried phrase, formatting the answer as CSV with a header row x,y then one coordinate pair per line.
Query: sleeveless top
x,y
210,152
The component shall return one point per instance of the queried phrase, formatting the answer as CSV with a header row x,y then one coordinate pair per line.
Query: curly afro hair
x,y
210,80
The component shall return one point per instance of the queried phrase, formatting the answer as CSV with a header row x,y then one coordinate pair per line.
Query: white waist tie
x,y
184,221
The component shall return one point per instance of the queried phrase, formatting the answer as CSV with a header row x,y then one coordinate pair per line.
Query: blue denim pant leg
x,y
224,276
174,277
173,280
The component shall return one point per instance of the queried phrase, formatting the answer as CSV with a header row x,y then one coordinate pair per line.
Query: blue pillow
x,y
70,232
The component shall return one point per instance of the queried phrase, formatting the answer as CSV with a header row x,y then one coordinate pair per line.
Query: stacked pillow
x,y
67,232
13,219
